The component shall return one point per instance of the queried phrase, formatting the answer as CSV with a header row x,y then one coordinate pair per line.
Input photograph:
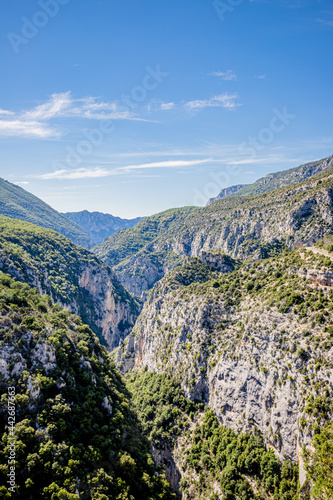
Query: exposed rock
x,y
250,362
245,227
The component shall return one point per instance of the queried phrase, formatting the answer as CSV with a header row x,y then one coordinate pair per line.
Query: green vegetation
x,y
76,433
283,178
161,406
218,454
46,259
17,203
125,244
319,464
207,450
246,227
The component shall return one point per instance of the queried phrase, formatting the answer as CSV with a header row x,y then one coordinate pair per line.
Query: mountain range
x,y
220,320
277,180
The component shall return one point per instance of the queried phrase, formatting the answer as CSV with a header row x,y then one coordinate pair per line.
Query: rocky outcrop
x,y
219,262
255,361
72,276
226,192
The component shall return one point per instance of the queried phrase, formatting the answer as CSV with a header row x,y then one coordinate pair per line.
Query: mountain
x,y
255,345
192,444
98,225
226,192
244,227
71,275
277,180
17,203
66,418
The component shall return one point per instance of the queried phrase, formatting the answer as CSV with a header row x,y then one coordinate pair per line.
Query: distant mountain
x,y
276,180
17,203
100,226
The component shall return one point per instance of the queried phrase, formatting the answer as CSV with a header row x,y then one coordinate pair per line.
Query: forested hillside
x,y
71,275
76,436
18,203
246,227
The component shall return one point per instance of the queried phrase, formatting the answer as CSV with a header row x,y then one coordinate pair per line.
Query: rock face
x,y
219,262
243,227
226,192
252,345
71,275
98,225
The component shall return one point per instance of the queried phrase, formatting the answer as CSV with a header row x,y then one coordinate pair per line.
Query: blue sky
x,y
134,107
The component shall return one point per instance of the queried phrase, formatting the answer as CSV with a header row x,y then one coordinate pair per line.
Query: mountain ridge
x,y
17,203
245,227
276,180
71,275
100,225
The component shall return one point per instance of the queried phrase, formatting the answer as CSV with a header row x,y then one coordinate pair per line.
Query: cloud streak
x,y
96,172
34,123
227,101
228,75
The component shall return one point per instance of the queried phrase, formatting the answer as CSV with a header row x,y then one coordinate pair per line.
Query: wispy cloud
x,y
23,128
79,173
327,22
35,122
5,112
228,75
226,101
95,172
156,105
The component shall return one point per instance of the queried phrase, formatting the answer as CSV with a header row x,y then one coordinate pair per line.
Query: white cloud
x,y
156,105
34,122
56,106
226,101
79,173
21,182
5,112
167,105
85,173
163,164
21,128
228,75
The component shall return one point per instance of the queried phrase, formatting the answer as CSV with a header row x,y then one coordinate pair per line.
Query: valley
x,y
188,356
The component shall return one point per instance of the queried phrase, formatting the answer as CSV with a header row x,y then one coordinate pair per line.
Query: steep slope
x,y
255,345
246,227
98,225
71,275
204,459
277,180
66,421
17,203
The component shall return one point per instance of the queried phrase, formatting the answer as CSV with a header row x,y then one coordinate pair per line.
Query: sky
x,y
131,108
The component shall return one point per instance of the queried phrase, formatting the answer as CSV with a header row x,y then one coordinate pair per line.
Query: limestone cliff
x,y
254,344
71,275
